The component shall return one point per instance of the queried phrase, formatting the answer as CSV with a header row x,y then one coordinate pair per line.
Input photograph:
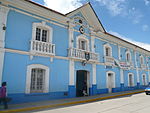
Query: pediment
x,y
87,13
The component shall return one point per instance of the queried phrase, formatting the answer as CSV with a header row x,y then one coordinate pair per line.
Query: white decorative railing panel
x,y
82,54
42,47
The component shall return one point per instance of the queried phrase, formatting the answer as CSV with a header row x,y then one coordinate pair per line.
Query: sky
x,y
128,19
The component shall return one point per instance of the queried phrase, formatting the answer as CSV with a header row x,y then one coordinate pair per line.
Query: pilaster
x,y
3,21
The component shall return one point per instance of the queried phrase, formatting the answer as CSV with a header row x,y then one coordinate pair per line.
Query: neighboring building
x,y
47,55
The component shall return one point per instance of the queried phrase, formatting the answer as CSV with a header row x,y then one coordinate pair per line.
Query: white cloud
x,y
116,7
63,6
147,2
135,15
145,27
143,45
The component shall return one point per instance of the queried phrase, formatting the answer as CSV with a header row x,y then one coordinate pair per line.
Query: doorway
x,y
110,81
82,83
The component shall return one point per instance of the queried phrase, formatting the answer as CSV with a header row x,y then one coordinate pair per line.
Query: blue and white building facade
x,y
46,55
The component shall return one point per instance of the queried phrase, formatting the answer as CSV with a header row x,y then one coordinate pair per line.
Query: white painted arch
x,y
28,77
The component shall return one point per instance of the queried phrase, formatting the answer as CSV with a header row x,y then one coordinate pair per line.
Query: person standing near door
x,y
3,95
85,89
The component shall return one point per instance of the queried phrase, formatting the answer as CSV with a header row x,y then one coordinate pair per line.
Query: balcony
x,y
143,66
126,65
40,47
109,60
80,54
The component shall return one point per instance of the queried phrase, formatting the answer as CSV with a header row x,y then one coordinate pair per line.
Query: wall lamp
x,y
4,27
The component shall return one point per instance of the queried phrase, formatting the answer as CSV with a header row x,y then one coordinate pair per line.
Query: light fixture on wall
x,y
4,27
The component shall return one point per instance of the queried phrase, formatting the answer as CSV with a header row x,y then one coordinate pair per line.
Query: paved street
x,y
138,103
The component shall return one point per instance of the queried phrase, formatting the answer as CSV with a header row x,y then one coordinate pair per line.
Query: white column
x,y
137,69
119,52
3,20
71,31
121,76
71,73
148,69
94,74
92,40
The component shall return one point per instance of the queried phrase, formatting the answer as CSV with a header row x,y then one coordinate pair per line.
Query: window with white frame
x,y
141,60
82,43
42,32
130,79
128,56
144,81
107,50
37,80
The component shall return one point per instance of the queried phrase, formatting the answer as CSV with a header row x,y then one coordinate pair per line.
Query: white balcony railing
x,y
82,54
42,47
109,60
143,66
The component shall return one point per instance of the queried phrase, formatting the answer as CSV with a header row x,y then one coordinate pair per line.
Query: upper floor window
x,y
42,32
107,50
141,60
37,80
82,43
128,56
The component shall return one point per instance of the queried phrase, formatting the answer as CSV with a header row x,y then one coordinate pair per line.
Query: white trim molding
x,y
132,84
71,73
3,22
28,77
121,76
94,74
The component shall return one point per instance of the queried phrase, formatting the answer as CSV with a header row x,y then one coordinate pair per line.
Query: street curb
x,y
65,104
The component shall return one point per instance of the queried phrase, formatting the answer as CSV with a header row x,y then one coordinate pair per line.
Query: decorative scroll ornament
x,y
81,29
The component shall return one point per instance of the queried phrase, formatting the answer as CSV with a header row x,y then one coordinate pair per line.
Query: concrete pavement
x,y
64,102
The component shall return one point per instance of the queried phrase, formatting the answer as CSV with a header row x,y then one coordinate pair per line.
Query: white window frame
x,y
141,61
84,38
107,46
128,52
133,84
43,26
28,77
114,76
145,79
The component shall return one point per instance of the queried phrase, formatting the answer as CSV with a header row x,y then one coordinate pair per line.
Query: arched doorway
x,y
110,81
82,83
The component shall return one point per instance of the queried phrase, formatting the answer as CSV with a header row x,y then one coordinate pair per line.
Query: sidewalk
x,y
64,102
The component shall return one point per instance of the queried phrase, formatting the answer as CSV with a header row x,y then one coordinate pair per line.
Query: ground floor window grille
x,y
37,80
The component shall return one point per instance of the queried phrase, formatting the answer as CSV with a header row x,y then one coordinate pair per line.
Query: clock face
x,y
81,29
